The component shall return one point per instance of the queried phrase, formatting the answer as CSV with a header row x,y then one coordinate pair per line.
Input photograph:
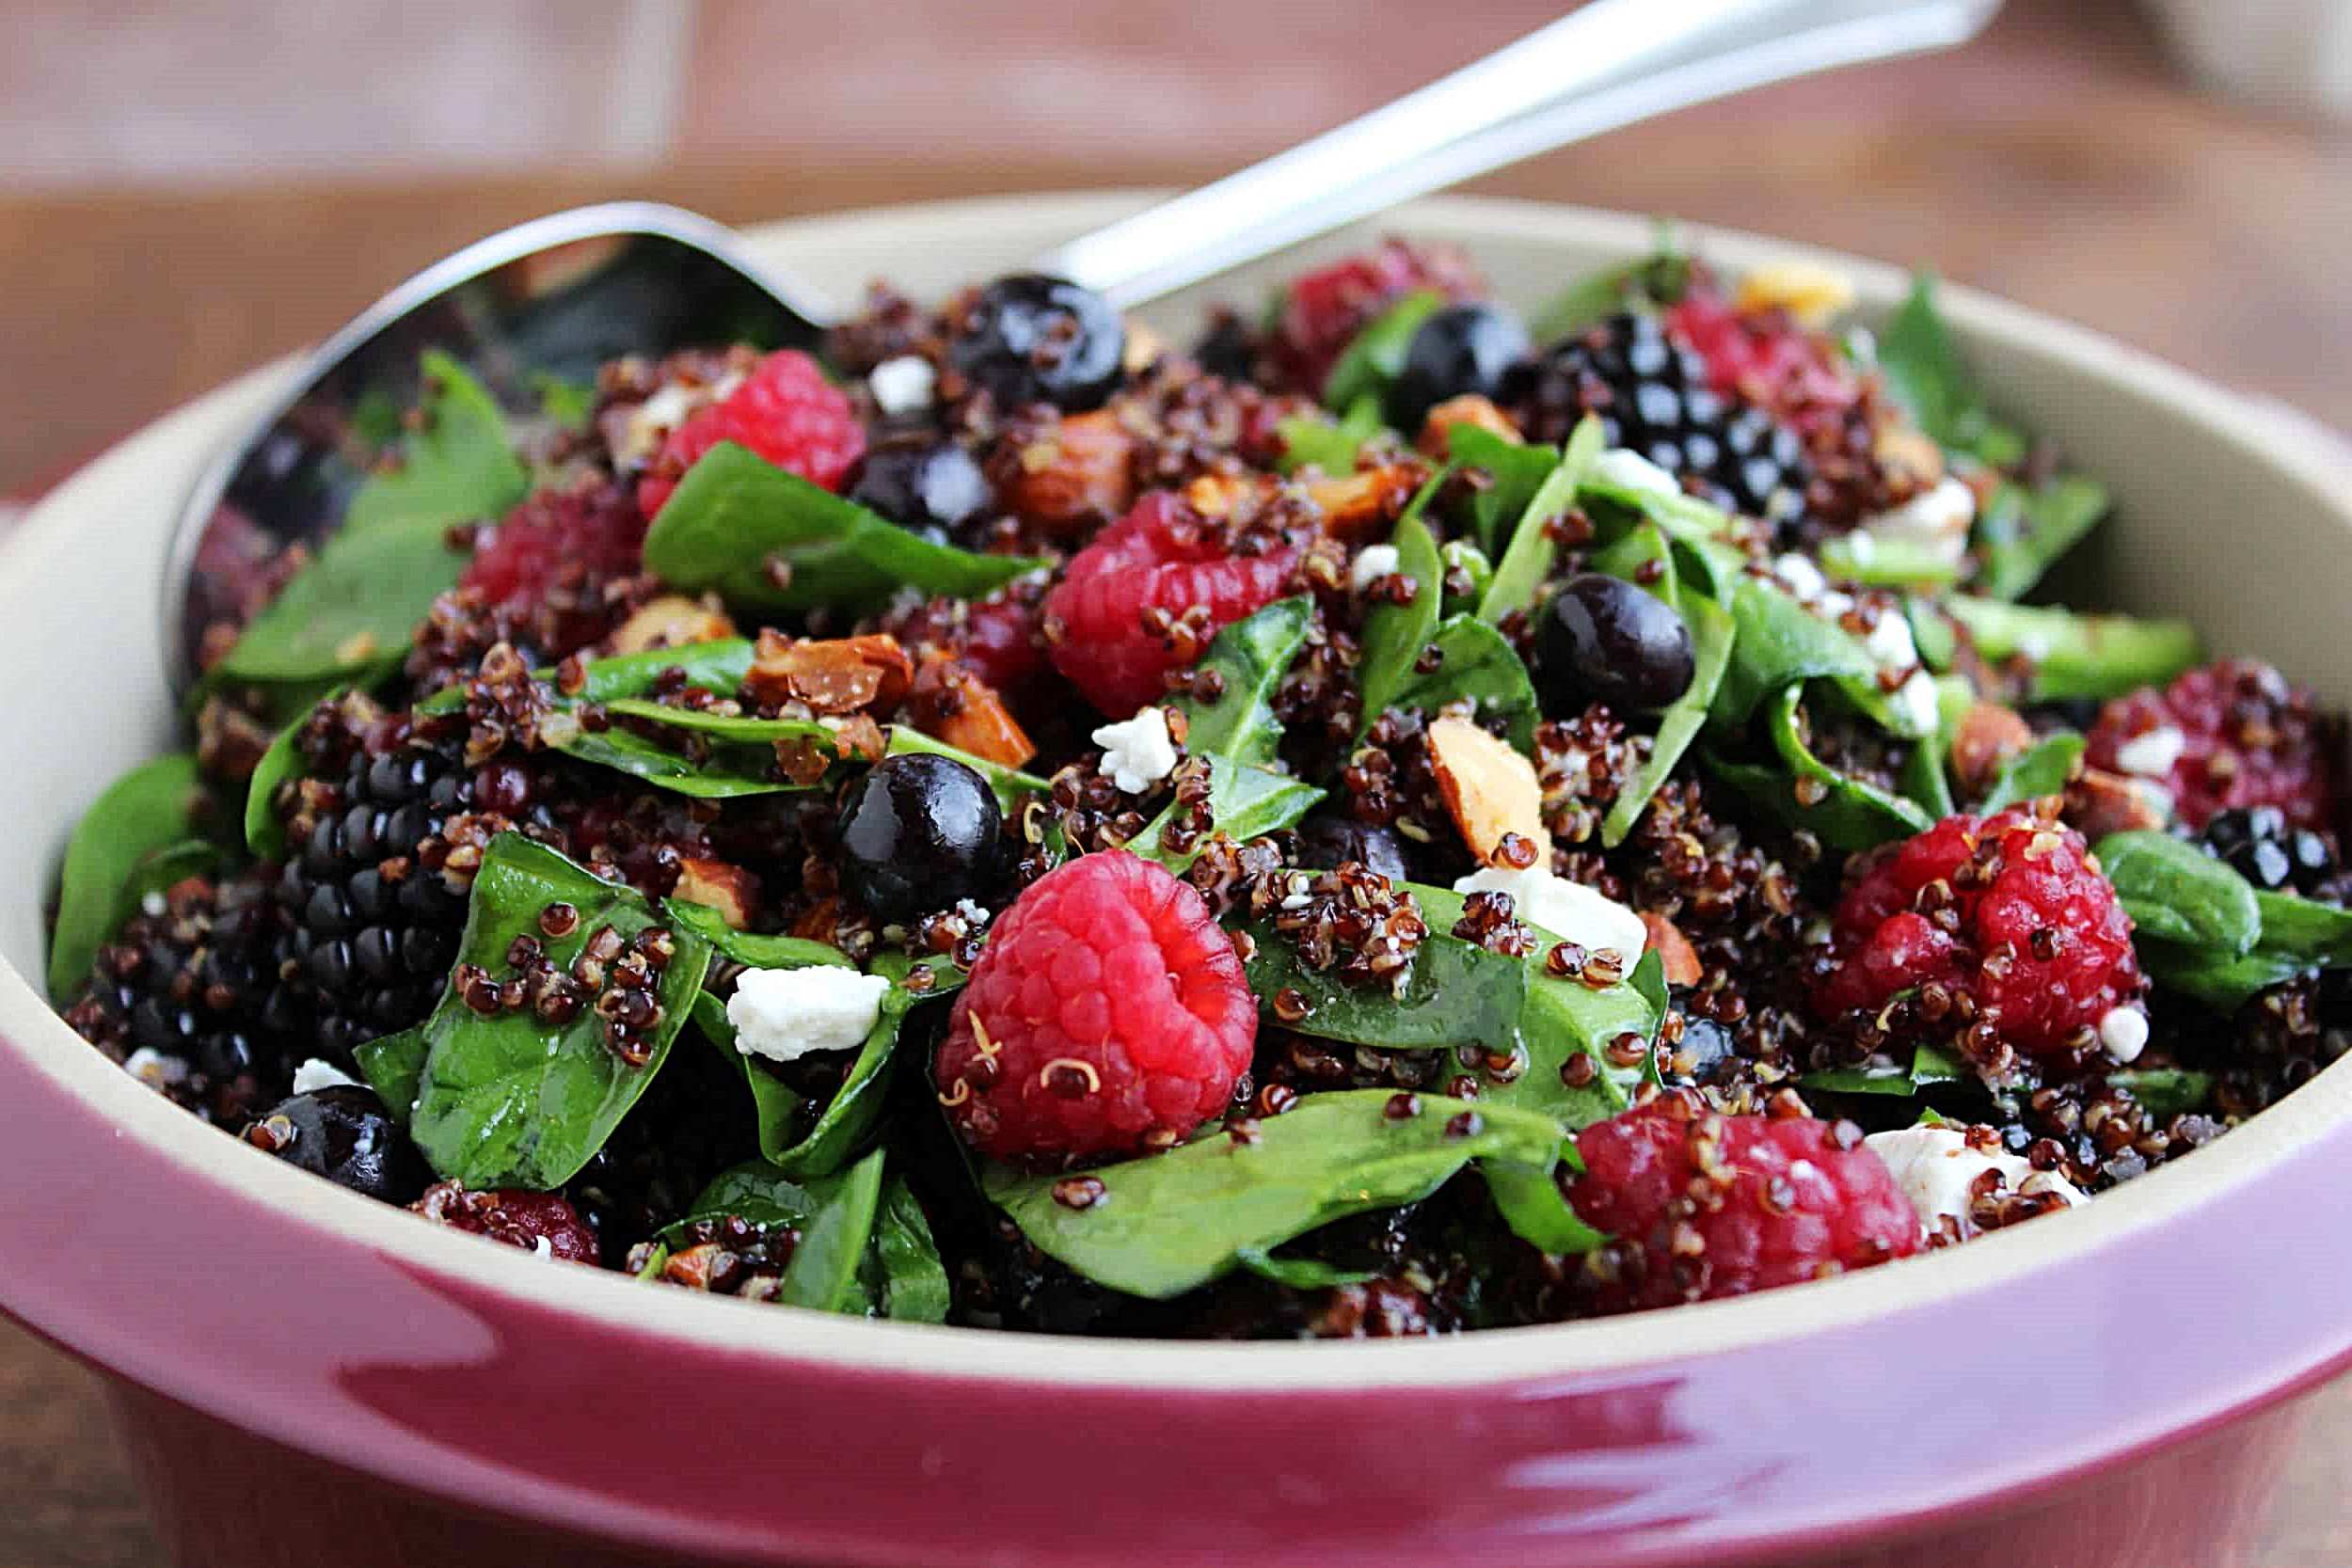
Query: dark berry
x,y
1227,348
1704,1052
932,489
1459,350
918,832
1605,639
1328,840
2259,845
1031,339
345,1135
2233,733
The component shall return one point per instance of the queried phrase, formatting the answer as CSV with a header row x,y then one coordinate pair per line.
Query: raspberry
x,y
557,538
1106,1016
1703,1205
1323,310
1121,596
2245,738
536,1222
2008,911
1762,356
785,411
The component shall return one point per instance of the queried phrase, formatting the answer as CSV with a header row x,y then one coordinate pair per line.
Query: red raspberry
x,y
2008,910
1159,563
2247,738
1107,1015
557,538
1703,1204
785,411
1323,310
1764,356
536,1222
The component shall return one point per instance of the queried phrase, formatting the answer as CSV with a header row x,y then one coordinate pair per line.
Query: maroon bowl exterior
x,y
2086,1403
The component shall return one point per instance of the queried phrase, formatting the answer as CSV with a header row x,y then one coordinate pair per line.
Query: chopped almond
x,y
1806,290
1071,474
1217,495
951,703
1907,455
1490,789
1674,949
1361,505
719,885
1437,431
819,921
672,621
841,674
2098,802
1989,735
1143,347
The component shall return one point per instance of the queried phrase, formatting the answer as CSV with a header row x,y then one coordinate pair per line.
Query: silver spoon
x,y
561,294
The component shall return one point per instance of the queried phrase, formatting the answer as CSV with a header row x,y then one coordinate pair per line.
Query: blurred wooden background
x,y
186,192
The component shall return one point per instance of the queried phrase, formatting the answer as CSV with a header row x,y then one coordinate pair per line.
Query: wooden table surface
x,y
2057,161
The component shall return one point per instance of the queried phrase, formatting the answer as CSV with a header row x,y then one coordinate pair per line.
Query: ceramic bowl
x,y
306,1377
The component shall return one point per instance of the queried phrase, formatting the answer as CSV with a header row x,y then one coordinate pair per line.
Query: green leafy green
x,y
2174,891
1712,634
2026,531
1477,666
1865,558
1467,562
902,1274
1777,644
1167,1223
739,727
393,1065
459,466
1394,634
1300,1273
1316,441
835,1215
1529,552
1845,813
151,812
263,834
565,404
2041,768
1376,354
509,1101
1516,469
752,948
1454,993
1530,1202
1930,1064
2296,936
2166,1092
1010,785
2072,656
770,539
1923,368
1644,285
1925,781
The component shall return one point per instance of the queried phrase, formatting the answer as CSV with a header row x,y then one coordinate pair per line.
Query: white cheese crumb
x,y
2123,1031
1890,642
1917,700
2152,756
902,386
784,1014
542,1247
1630,470
153,906
1373,563
1138,753
155,1070
974,915
1569,910
652,420
1830,605
1936,1167
1936,520
314,1075
1803,579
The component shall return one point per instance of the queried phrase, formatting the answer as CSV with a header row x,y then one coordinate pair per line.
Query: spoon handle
x,y
1605,65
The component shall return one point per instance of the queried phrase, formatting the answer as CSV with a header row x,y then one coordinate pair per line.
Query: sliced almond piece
x,y
1490,789
672,621
838,676
721,885
1987,735
1361,505
1437,431
1674,949
2098,802
951,703
1072,473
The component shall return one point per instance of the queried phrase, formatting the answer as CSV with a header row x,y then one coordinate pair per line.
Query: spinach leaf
x,y
1376,354
1300,1273
393,1065
1649,981
1476,665
1314,441
2026,531
1925,780
1530,1202
263,834
1011,786
2166,1092
1467,572
2073,656
718,667
151,810
1394,634
565,404
1455,993
1930,1064
1863,557
1653,282
1845,813
1711,638
837,1216
350,610
2299,928
2041,768
2296,936
2176,892
1161,1225
458,467
1516,469
1923,369
1777,644
750,947
902,1274
729,772
1527,554
739,727
509,1101
735,515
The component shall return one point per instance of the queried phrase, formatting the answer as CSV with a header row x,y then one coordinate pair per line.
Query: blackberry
x,y
1650,391
2257,842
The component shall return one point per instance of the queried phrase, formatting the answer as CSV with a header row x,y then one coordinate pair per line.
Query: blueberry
x,y
918,832
1032,338
1704,1052
1604,639
1459,350
929,488
345,1135
1327,839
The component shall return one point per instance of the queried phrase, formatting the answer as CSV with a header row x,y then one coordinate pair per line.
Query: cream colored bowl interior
x,y
2226,513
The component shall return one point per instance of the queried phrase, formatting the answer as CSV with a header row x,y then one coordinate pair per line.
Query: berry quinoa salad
x,y
1397,820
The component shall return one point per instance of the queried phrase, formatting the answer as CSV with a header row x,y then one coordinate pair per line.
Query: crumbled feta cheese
x,y
2151,754
652,420
1798,573
1831,603
542,1247
1373,563
1937,1167
1890,642
2123,1031
153,906
974,915
1630,470
155,1070
314,1075
784,1014
1138,753
1917,700
1569,910
1936,520
902,386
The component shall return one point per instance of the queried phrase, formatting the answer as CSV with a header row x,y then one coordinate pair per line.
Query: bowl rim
x,y
35,1040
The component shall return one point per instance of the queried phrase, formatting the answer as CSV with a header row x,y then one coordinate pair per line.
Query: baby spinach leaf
x,y
1468,572
718,667
1530,1202
1529,552
1314,441
751,947
1846,813
2072,654
1011,786
1376,354
2041,768
1865,558
459,466
1516,470
565,404
2298,928
735,515
1454,993
2296,936
1394,634
1924,371
1167,1223
1930,1064
510,1101
1648,982
729,772
1653,282
2025,531
835,1215
777,1107
2176,892
902,1273
743,728
1777,644
2166,1092
393,1065
1300,1273
1925,781
263,834
359,602
1476,664
1713,635
152,809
